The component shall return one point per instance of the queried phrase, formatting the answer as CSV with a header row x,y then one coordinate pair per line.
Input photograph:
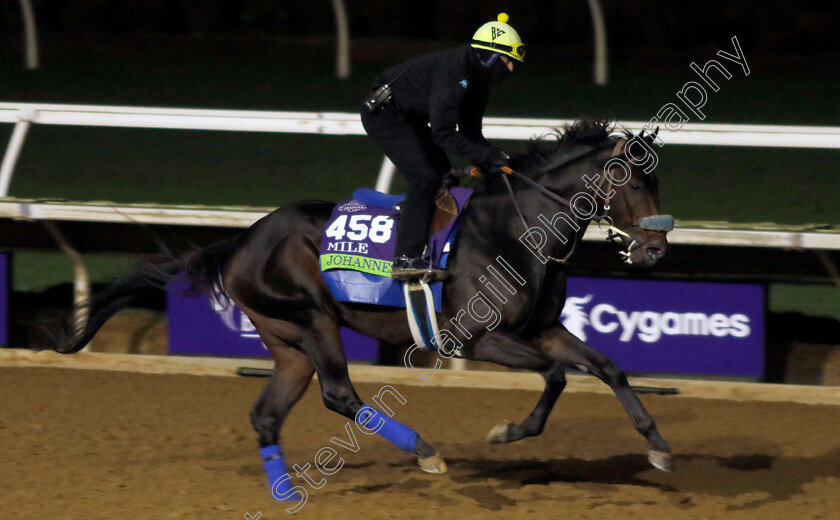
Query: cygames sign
x,y
670,327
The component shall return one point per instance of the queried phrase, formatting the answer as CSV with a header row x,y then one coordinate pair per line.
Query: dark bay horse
x,y
271,271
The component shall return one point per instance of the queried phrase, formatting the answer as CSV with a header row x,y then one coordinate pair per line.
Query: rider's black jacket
x,y
445,89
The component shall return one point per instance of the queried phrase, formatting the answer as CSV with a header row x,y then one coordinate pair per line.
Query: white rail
x,y
689,233
334,123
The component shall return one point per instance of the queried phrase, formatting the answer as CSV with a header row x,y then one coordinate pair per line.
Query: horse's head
x,y
630,193
621,195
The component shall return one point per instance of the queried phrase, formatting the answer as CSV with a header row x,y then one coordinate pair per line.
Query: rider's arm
x,y
447,101
472,115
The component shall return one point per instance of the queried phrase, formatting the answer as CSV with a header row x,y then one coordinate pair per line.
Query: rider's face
x,y
508,62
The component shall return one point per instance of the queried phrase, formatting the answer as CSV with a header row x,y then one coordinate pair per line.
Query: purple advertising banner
x,y
4,299
215,326
669,326
643,325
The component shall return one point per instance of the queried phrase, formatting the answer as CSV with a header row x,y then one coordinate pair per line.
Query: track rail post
x,y
342,34
599,28
30,31
81,279
386,175
10,159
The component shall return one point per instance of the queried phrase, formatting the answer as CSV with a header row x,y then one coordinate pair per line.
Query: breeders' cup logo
x,y
233,318
351,206
648,326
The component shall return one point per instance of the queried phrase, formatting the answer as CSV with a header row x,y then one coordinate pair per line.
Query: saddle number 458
x,y
379,230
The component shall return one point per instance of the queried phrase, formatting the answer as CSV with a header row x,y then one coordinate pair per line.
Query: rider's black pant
x,y
407,141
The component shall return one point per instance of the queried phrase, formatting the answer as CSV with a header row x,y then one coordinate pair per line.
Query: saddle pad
x,y
359,287
359,237
377,198
357,252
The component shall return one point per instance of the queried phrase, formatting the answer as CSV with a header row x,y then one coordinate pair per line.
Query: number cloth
x,y
357,251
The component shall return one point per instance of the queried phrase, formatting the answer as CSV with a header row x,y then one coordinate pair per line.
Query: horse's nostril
x,y
654,252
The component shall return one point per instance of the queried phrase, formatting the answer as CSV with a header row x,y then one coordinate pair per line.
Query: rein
x,y
612,231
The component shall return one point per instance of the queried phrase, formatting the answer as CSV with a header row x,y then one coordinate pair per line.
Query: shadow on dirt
x,y
773,478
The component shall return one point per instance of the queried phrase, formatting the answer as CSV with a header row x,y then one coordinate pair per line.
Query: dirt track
x,y
107,445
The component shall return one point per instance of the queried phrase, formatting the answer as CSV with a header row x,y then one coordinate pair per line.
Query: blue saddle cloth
x,y
357,248
377,198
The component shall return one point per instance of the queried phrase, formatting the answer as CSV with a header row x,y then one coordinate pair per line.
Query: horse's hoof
x,y
433,464
660,460
499,433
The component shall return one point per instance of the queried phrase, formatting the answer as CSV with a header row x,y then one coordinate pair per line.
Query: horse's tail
x,y
202,268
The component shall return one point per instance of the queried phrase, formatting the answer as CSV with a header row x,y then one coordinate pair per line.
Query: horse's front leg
x,y
567,349
511,351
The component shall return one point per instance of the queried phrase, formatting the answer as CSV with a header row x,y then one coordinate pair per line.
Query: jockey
x,y
431,105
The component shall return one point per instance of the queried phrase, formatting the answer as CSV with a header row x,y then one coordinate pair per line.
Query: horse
x,y
271,272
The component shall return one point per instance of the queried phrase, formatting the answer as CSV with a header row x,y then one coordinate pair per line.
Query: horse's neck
x,y
492,228
491,245
539,209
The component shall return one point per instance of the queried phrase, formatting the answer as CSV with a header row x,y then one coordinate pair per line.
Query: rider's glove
x,y
498,162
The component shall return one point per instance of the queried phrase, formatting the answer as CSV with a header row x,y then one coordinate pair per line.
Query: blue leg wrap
x,y
397,433
279,481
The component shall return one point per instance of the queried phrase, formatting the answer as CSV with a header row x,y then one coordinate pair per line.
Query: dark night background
x,y
774,26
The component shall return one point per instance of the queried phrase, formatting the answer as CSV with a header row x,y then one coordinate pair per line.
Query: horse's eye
x,y
635,187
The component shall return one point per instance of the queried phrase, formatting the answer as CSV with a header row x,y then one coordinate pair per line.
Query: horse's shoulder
x,y
303,209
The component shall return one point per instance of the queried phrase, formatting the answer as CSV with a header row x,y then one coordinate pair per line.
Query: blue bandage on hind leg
x,y
397,433
279,481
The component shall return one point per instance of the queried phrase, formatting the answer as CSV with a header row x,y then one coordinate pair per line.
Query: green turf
x,y
790,186
191,167
810,299
37,271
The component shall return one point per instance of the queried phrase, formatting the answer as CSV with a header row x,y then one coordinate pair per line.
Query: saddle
x,y
446,207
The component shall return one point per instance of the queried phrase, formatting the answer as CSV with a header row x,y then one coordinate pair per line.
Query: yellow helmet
x,y
499,37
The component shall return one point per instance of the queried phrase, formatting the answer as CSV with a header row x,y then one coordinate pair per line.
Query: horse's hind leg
x,y
570,351
291,376
323,345
510,351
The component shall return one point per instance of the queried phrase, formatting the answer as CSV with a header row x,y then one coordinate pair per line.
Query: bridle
x,y
613,232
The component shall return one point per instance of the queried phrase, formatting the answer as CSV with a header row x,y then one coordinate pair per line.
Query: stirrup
x,y
434,274
408,269
428,275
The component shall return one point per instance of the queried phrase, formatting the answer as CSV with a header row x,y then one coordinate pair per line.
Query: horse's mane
x,y
593,133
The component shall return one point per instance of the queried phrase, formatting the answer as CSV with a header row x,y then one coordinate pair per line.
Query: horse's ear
x,y
652,135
